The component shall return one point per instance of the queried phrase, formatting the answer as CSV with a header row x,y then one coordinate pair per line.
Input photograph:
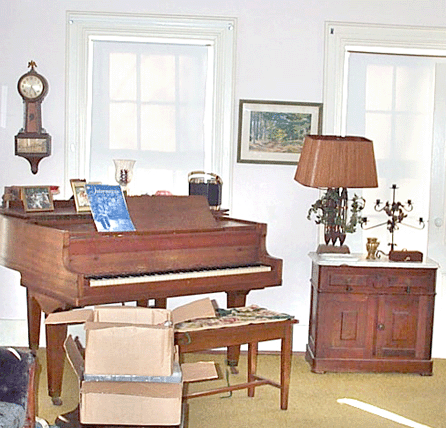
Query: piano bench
x,y
199,338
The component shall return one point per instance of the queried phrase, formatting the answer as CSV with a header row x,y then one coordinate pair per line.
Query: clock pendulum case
x,y
32,142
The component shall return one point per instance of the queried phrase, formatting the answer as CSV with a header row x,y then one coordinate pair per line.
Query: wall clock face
x,y
31,86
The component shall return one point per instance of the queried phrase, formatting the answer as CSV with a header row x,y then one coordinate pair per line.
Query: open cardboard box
x,y
127,376
133,403
128,340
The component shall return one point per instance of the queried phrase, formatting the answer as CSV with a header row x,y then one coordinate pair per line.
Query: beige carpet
x,y
313,398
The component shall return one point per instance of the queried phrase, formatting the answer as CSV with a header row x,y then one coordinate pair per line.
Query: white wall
x,y
279,57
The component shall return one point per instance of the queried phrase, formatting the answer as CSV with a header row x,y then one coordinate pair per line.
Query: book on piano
x,y
109,208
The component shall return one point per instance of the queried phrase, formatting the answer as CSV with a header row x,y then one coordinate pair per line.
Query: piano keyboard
x,y
171,276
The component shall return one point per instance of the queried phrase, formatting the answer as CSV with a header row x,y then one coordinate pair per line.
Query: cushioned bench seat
x,y
236,326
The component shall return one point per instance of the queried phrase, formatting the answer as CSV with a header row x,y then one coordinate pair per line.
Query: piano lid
x,y
156,213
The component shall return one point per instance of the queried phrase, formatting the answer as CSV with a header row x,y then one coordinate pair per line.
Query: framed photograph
x,y
80,195
274,131
37,198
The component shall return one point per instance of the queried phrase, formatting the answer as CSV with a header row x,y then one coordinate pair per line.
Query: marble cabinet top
x,y
359,260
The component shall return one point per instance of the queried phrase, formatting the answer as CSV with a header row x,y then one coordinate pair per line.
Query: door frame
x,y
342,39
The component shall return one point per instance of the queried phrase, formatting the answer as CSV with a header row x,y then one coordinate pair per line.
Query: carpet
x,y
313,398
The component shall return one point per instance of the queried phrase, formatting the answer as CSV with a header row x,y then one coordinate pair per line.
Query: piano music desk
x,y
194,340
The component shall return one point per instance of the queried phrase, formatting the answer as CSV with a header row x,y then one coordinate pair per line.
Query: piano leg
x,y
55,354
34,318
161,303
234,299
55,338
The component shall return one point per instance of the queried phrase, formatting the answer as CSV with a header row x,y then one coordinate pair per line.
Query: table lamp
x,y
336,164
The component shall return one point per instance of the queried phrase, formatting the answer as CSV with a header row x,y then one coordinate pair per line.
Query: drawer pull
x,y
381,326
408,289
348,287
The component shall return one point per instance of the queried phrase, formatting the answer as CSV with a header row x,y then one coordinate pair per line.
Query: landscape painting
x,y
274,132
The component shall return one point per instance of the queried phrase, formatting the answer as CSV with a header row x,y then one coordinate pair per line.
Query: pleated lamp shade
x,y
332,161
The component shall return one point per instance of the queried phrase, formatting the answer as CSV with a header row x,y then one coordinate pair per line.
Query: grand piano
x,y
179,248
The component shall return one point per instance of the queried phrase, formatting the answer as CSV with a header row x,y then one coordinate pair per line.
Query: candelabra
x,y
396,211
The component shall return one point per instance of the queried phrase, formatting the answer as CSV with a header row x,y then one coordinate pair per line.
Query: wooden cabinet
x,y
369,316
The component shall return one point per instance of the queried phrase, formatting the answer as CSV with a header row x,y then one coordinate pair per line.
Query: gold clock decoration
x,y
32,142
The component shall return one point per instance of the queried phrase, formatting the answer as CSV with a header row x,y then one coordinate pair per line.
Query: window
x,y
155,89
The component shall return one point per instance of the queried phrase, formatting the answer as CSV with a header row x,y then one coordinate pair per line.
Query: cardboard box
x,y
133,403
128,340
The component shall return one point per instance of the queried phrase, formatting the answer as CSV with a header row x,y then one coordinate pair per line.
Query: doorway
x,y
403,70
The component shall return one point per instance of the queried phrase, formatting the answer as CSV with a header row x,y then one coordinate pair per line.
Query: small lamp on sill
x,y
336,164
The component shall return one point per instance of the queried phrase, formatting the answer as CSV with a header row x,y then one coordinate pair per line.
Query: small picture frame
x,y
80,195
37,198
274,131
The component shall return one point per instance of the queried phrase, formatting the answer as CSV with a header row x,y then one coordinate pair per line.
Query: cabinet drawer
x,y
373,280
345,280
411,282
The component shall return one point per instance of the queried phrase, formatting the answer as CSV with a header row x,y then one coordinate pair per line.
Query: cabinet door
x,y
399,331
345,325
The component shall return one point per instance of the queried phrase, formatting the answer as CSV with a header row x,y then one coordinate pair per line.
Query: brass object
x,y
372,247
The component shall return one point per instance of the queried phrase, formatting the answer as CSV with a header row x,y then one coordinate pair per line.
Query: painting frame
x,y
37,198
280,119
80,195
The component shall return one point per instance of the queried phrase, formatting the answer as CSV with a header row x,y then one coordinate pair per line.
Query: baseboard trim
x,y
244,352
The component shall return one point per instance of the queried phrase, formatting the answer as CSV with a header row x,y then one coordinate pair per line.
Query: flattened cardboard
x,y
74,357
199,371
202,308
76,316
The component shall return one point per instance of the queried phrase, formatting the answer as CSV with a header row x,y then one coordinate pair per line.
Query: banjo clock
x,y
32,142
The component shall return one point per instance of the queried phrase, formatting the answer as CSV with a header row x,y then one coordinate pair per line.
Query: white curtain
x,y
149,103
390,101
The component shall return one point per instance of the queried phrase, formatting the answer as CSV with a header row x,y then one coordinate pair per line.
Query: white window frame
x,y
342,39
84,27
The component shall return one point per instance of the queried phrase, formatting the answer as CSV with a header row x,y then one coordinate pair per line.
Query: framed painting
x,y
37,198
274,131
80,195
